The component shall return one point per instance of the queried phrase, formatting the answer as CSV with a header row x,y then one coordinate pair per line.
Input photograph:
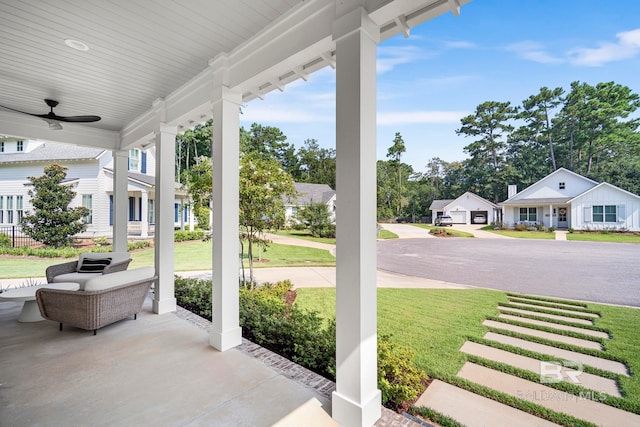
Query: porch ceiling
x,y
142,51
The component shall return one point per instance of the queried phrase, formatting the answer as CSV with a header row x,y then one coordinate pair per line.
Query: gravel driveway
x,y
589,271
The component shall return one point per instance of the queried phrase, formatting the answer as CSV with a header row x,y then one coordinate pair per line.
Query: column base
x,y
349,413
164,306
226,340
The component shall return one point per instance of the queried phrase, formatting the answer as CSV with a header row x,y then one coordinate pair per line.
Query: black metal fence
x,y
17,236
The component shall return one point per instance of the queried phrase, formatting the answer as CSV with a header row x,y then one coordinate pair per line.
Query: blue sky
x,y
496,50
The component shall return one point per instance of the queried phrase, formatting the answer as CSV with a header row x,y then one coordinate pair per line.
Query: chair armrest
x,y
116,266
57,269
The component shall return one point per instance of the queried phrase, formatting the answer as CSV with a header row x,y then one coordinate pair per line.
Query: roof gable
x,y
52,152
549,188
605,185
308,192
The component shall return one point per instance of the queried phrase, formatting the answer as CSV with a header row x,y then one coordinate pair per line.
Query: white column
x,y
120,200
550,216
356,401
144,221
164,300
226,332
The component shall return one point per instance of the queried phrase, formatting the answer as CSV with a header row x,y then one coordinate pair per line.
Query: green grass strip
x,y
564,346
544,311
552,305
562,332
547,299
557,321
435,416
542,357
576,390
515,402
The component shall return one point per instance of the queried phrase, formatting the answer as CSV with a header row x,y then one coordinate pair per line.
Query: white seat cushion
x,y
79,278
106,281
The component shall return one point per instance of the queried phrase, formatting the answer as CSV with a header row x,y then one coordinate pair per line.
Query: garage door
x,y
459,217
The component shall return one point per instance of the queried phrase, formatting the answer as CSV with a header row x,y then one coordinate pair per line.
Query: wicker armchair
x,y
105,300
68,271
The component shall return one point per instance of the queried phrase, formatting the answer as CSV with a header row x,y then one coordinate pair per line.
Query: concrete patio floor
x,y
157,370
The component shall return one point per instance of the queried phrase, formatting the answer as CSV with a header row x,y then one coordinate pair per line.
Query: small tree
x,y
316,216
53,222
263,184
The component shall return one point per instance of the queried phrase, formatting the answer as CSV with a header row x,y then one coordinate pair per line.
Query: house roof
x,y
539,201
437,205
52,151
147,180
548,177
441,204
308,193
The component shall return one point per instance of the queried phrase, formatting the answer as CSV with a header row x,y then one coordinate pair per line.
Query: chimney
x,y
513,189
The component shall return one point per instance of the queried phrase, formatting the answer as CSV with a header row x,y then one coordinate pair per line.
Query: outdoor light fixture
x,y
53,124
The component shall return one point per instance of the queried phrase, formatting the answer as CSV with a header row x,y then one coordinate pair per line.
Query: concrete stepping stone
x,y
597,334
547,316
588,407
542,334
559,310
473,410
535,301
596,362
572,376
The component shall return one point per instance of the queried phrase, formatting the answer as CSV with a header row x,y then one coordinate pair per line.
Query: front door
x,y
562,217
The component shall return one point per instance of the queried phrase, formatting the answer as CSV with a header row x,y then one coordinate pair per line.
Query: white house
x,y
564,199
90,174
469,208
308,193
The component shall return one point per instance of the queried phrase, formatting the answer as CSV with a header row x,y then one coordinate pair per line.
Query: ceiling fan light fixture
x,y
76,44
53,124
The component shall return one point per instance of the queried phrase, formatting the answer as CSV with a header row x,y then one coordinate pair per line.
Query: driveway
x,y
589,271
407,231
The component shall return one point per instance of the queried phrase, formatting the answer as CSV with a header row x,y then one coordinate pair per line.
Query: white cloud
x,y
533,51
459,44
627,46
391,57
417,117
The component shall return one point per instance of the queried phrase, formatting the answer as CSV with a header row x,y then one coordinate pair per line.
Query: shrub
x,y
520,227
194,295
551,229
398,379
5,241
138,244
183,235
64,252
570,230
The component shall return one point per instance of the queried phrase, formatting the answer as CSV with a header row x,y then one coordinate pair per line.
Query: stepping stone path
x,y
473,410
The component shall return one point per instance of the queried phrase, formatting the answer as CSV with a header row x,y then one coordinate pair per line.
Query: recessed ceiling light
x,y
75,44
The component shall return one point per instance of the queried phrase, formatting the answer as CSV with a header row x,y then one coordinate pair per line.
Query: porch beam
x,y
164,300
225,150
356,401
120,201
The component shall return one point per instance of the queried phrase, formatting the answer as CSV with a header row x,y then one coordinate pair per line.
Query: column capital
x,y
224,93
120,153
163,128
356,20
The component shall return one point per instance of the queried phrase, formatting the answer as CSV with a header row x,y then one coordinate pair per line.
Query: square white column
x,y
120,200
226,332
164,299
144,221
356,401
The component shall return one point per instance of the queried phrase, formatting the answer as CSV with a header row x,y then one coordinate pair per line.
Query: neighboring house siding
x,y
549,187
627,210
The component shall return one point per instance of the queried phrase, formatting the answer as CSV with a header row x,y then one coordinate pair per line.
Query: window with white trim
x,y
150,211
9,209
1,147
529,214
20,146
19,208
1,209
134,160
87,202
561,185
604,213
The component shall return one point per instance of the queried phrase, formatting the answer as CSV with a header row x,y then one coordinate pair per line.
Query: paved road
x,y
590,271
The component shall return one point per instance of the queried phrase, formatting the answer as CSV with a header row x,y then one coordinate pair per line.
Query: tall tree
x,y
538,111
395,154
490,126
317,164
53,222
191,145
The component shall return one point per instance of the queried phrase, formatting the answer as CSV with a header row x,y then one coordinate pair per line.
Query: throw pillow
x,y
94,265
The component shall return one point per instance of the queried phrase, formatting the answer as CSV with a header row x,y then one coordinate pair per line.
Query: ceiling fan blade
x,y
70,119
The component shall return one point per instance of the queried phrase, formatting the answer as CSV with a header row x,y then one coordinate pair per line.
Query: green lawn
x,y
601,237
305,235
195,255
386,234
450,230
526,234
436,322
